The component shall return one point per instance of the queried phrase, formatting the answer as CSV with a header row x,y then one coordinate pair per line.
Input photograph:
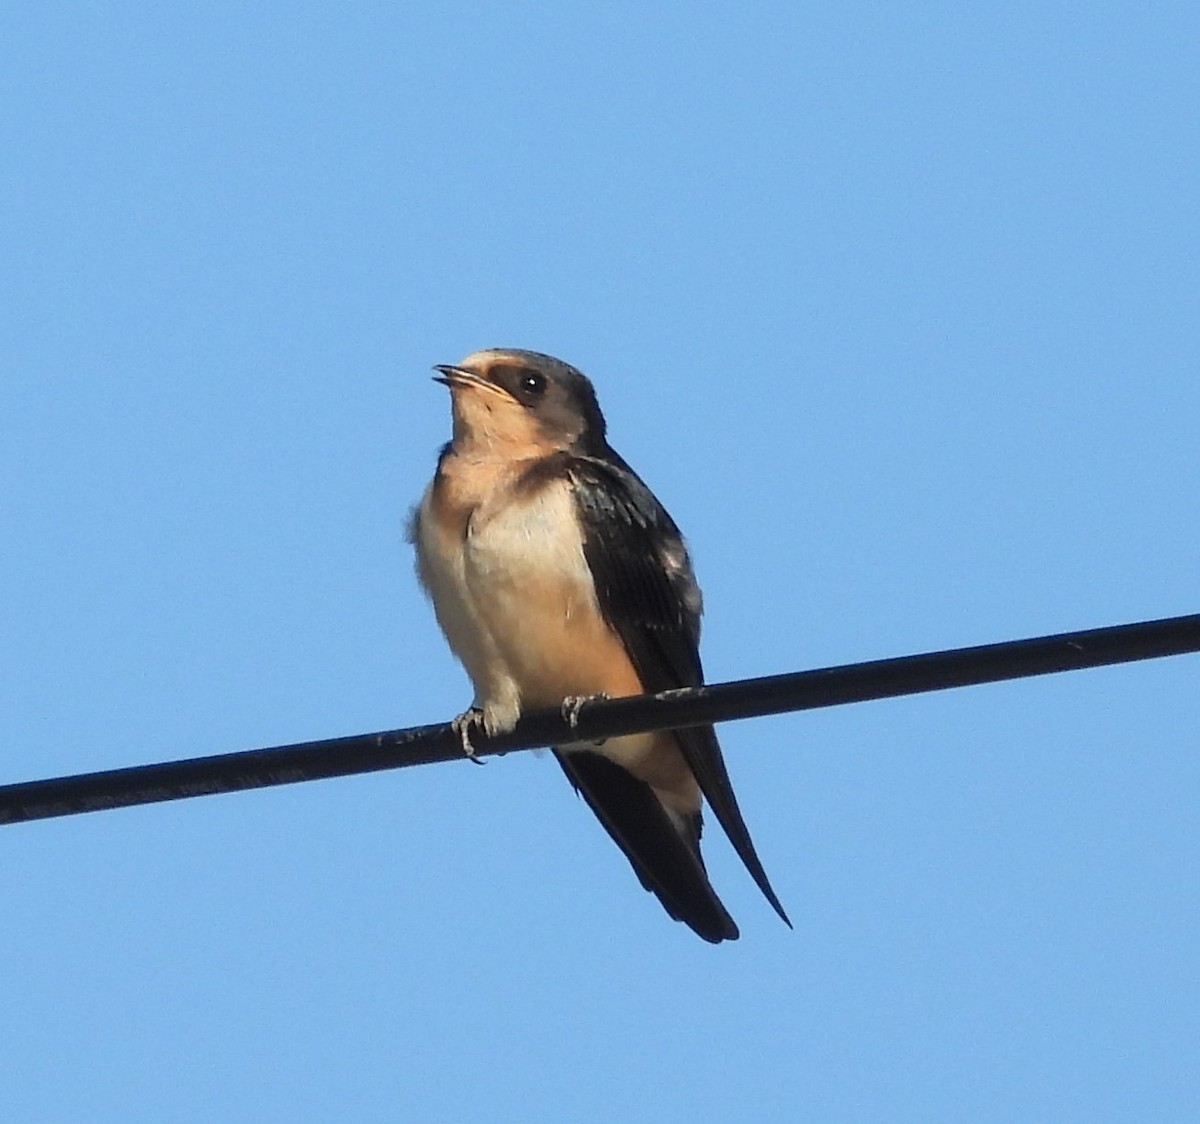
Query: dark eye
x,y
533,384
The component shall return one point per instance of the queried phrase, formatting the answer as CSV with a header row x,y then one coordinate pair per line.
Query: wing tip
x,y
728,932
663,852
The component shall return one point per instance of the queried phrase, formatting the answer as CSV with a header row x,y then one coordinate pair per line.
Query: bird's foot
x,y
462,727
573,704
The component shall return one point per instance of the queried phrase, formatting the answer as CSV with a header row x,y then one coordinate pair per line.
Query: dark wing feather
x,y
641,827
662,846
643,575
649,597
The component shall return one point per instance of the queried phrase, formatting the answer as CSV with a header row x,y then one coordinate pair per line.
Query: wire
x,y
599,719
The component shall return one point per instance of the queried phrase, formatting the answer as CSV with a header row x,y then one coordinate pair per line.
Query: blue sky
x,y
896,309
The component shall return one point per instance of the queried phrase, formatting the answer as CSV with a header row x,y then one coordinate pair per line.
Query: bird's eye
x,y
533,384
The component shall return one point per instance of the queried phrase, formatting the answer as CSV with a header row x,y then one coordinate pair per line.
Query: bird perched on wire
x,y
557,575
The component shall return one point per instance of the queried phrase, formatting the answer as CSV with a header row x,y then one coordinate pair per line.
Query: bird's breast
x,y
505,567
515,596
525,565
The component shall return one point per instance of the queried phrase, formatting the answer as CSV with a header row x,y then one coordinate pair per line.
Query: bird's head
x,y
511,402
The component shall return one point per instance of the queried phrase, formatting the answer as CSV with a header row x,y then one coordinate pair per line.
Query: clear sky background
x,y
897,309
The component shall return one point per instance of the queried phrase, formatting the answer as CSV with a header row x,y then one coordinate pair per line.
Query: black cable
x,y
719,702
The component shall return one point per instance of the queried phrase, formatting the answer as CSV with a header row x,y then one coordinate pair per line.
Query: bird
x,y
557,576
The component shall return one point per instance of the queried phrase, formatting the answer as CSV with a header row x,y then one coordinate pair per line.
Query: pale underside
x,y
514,595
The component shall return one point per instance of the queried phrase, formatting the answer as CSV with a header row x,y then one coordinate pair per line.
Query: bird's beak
x,y
453,376
462,378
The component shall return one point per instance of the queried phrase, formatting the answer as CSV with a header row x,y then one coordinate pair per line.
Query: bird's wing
x,y
649,597
662,848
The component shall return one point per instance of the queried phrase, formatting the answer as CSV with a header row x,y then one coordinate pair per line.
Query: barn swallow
x,y
557,575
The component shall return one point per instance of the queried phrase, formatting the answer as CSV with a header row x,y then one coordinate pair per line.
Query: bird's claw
x,y
573,704
462,727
